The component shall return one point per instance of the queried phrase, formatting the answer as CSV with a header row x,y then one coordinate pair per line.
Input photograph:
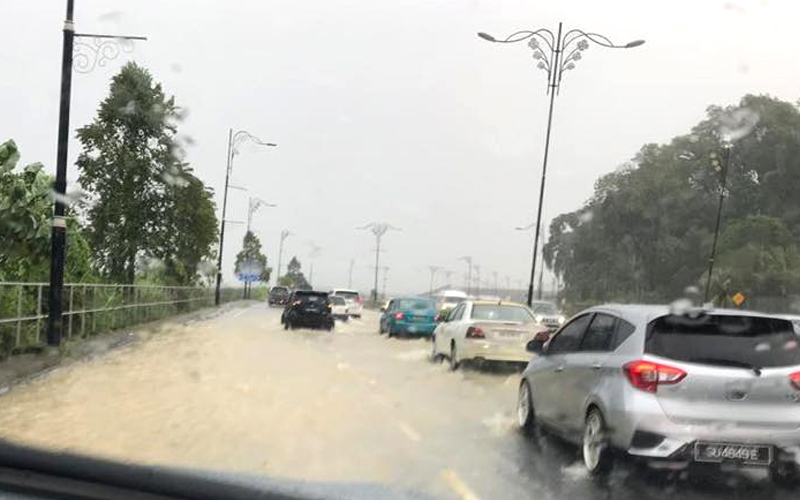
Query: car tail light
x,y
475,332
399,315
360,300
794,378
647,375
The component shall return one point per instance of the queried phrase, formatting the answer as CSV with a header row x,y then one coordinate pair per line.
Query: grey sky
x,y
397,112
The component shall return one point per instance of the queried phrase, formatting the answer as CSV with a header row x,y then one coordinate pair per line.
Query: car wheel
x,y
435,356
785,474
597,456
526,416
287,325
454,363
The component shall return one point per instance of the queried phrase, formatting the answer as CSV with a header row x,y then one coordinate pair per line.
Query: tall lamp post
x,y
723,184
541,268
284,234
468,260
102,49
433,270
233,141
559,53
378,229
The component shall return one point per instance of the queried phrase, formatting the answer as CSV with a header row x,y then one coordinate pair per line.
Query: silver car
x,y
716,386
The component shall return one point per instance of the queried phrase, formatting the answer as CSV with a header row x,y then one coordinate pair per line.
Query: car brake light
x,y
794,378
475,332
647,375
399,315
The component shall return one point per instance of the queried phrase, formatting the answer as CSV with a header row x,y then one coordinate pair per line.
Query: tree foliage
x,y
26,207
646,232
145,202
250,260
294,277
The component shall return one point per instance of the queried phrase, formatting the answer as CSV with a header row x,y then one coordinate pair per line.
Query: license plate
x,y
749,454
510,334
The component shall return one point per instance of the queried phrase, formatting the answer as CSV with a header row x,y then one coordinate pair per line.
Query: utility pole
x,y
468,260
58,235
447,275
311,275
350,274
378,229
478,279
496,289
433,270
284,234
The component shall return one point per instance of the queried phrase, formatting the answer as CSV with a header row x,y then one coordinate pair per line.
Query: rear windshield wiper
x,y
728,362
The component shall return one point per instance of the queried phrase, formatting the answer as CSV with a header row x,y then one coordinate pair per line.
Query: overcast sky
x,y
396,111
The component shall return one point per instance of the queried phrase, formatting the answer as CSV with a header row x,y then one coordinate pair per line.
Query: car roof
x,y
481,302
337,290
310,292
644,313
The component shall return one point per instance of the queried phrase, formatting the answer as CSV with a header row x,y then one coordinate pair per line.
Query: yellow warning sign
x,y
738,298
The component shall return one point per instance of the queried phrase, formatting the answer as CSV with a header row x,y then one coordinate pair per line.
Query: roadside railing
x,y
92,308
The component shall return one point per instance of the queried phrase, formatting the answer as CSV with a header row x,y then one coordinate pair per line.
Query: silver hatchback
x,y
714,386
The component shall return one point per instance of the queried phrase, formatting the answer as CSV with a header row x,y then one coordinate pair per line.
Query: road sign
x,y
248,277
738,299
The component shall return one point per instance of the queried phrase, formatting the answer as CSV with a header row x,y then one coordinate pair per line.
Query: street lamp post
x,y
233,139
468,260
378,229
284,234
541,267
552,59
433,270
105,47
723,184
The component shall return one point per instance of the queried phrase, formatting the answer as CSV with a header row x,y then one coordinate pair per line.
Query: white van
x,y
355,303
448,299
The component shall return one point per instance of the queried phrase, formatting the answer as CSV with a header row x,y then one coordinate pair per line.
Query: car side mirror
x,y
537,344
441,317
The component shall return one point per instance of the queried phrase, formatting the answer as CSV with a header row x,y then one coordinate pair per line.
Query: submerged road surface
x,y
238,393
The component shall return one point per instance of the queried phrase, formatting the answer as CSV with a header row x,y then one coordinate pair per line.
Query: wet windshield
x,y
464,249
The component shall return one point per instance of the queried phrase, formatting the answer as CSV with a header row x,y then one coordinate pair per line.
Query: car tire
x,y
287,325
454,362
436,357
785,474
595,450
526,416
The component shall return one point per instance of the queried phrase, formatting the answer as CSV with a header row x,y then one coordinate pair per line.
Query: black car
x,y
278,296
308,309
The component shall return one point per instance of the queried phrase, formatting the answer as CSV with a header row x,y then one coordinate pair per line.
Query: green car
x,y
409,316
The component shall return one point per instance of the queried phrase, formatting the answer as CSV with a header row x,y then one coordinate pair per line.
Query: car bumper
x,y
649,433
413,328
494,351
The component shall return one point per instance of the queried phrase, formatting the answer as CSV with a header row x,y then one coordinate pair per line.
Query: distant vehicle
x,y
339,308
278,296
448,299
713,387
409,316
308,309
355,303
479,330
547,314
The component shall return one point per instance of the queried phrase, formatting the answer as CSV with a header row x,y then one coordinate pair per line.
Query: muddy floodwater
x,y
238,393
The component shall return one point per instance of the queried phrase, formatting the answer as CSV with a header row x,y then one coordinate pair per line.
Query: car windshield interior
x,y
493,312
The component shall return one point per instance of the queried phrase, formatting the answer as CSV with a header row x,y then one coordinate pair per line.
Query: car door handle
x,y
597,366
560,369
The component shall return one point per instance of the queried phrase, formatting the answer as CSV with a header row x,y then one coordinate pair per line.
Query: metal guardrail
x,y
90,308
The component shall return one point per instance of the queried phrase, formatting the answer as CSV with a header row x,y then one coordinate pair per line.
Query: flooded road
x,y
238,393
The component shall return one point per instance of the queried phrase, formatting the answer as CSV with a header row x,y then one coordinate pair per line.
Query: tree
x,y
145,201
294,277
645,234
26,207
250,260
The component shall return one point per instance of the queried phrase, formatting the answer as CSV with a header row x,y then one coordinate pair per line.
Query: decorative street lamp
x,y
233,140
85,56
555,54
378,229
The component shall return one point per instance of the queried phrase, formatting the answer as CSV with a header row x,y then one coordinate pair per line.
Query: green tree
x,y
250,260
145,202
645,234
294,277
26,206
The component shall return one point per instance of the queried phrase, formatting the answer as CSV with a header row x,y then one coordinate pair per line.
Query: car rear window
x,y
725,340
304,297
336,300
347,295
498,312
279,291
416,304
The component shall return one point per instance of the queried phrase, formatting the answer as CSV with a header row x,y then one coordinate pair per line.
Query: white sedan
x,y
484,330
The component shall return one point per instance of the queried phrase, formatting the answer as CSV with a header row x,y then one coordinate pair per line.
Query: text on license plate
x,y
728,452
